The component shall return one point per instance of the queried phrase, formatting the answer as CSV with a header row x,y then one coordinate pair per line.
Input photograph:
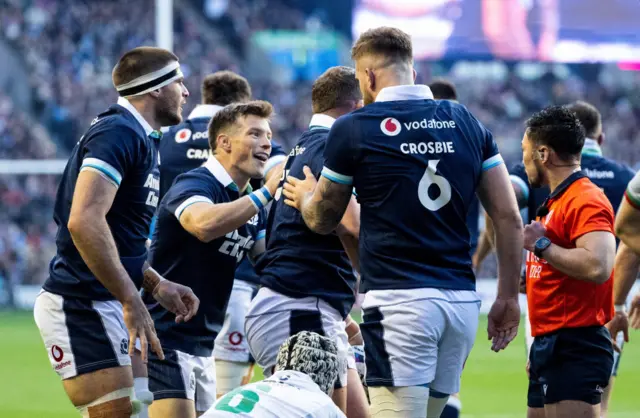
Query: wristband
x,y
261,198
621,308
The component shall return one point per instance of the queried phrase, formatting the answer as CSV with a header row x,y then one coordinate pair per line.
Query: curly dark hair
x,y
558,128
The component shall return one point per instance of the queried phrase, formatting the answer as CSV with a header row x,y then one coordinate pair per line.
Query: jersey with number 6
x,y
415,163
286,394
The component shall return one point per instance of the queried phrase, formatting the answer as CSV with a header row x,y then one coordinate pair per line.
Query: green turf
x,y
494,385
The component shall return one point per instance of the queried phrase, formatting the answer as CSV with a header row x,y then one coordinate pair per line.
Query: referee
x,y
569,266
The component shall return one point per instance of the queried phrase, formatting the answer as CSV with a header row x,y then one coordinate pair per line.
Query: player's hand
x,y
532,233
177,299
274,178
619,323
504,319
294,189
523,284
140,325
634,312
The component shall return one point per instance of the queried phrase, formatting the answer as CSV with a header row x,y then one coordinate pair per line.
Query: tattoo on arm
x,y
323,210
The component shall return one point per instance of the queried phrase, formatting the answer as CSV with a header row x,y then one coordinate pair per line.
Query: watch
x,y
541,244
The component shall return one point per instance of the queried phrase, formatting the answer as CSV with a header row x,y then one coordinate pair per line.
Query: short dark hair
x,y
140,61
336,87
558,128
230,114
225,87
387,42
588,116
443,89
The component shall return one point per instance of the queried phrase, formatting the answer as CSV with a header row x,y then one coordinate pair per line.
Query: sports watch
x,y
541,244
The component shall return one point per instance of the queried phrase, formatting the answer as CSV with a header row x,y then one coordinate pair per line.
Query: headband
x,y
152,81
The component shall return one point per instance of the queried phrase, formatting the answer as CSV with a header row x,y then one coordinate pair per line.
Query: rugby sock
x,y
453,408
141,388
437,403
230,375
399,402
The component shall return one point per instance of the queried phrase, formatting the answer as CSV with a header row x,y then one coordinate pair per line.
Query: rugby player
x,y
403,153
307,279
306,369
186,147
569,270
208,220
90,311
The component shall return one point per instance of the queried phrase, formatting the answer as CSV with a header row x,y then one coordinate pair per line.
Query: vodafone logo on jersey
x,y
390,126
183,135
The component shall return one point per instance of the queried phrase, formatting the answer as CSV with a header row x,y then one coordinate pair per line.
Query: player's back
x,y
299,262
286,394
183,148
611,176
416,167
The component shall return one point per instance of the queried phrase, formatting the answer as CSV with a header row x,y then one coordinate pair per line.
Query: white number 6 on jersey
x,y
430,177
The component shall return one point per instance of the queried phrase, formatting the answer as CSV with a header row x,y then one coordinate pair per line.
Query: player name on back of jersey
x,y
392,127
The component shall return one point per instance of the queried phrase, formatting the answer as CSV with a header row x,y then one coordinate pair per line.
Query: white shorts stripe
x,y
190,201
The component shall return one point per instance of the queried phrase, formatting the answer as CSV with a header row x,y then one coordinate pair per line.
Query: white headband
x,y
152,81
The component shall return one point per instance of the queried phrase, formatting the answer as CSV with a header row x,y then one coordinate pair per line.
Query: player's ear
x,y
371,79
223,142
600,139
155,93
415,75
543,154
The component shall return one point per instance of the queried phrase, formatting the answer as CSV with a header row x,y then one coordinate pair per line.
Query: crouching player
x,y
306,370
308,281
208,220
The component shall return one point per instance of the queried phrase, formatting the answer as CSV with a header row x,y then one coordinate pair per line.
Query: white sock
x,y
436,406
141,388
398,402
229,375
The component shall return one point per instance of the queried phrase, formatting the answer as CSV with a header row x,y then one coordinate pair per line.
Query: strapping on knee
x,y
231,374
399,402
117,404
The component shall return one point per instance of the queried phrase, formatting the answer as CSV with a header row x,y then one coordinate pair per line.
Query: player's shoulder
x,y
199,178
586,192
597,166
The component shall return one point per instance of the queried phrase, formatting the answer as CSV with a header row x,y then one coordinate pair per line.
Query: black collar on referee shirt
x,y
543,210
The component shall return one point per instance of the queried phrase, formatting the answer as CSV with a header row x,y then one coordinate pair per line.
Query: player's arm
x,y
206,220
499,201
625,271
627,225
349,232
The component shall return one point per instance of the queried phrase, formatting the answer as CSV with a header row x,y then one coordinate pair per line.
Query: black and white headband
x,y
152,81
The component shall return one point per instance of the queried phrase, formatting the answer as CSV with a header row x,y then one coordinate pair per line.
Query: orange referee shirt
x,y
555,299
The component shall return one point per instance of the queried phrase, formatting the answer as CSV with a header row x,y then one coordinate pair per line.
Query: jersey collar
x,y
204,111
142,121
591,147
219,172
405,92
321,121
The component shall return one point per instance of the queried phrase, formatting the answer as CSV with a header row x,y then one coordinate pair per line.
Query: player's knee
x,y
231,374
117,404
399,402
437,403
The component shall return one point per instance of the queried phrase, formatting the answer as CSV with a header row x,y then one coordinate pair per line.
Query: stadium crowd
x,y
69,48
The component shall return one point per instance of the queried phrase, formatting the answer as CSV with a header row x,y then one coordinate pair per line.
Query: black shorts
x,y
570,364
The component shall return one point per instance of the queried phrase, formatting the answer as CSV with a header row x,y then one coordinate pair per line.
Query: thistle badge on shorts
x,y
124,346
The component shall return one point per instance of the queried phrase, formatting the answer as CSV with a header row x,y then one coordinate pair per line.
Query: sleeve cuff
x,y
336,177
494,161
102,167
190,201
634,200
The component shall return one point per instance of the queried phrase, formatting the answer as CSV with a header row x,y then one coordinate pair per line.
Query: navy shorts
x,y
570,364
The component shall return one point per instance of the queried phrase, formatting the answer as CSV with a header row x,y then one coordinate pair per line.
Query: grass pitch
x,y
494,385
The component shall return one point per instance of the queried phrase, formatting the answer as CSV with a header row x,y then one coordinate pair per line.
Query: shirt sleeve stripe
x,y
273,161
634,200
336,177
103,167
190,201
102,174
494,161
522,185
261,235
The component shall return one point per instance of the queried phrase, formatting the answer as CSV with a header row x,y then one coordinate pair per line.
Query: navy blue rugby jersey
x,y
415,163
207,268
299,262
186,146
611,176
122,147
